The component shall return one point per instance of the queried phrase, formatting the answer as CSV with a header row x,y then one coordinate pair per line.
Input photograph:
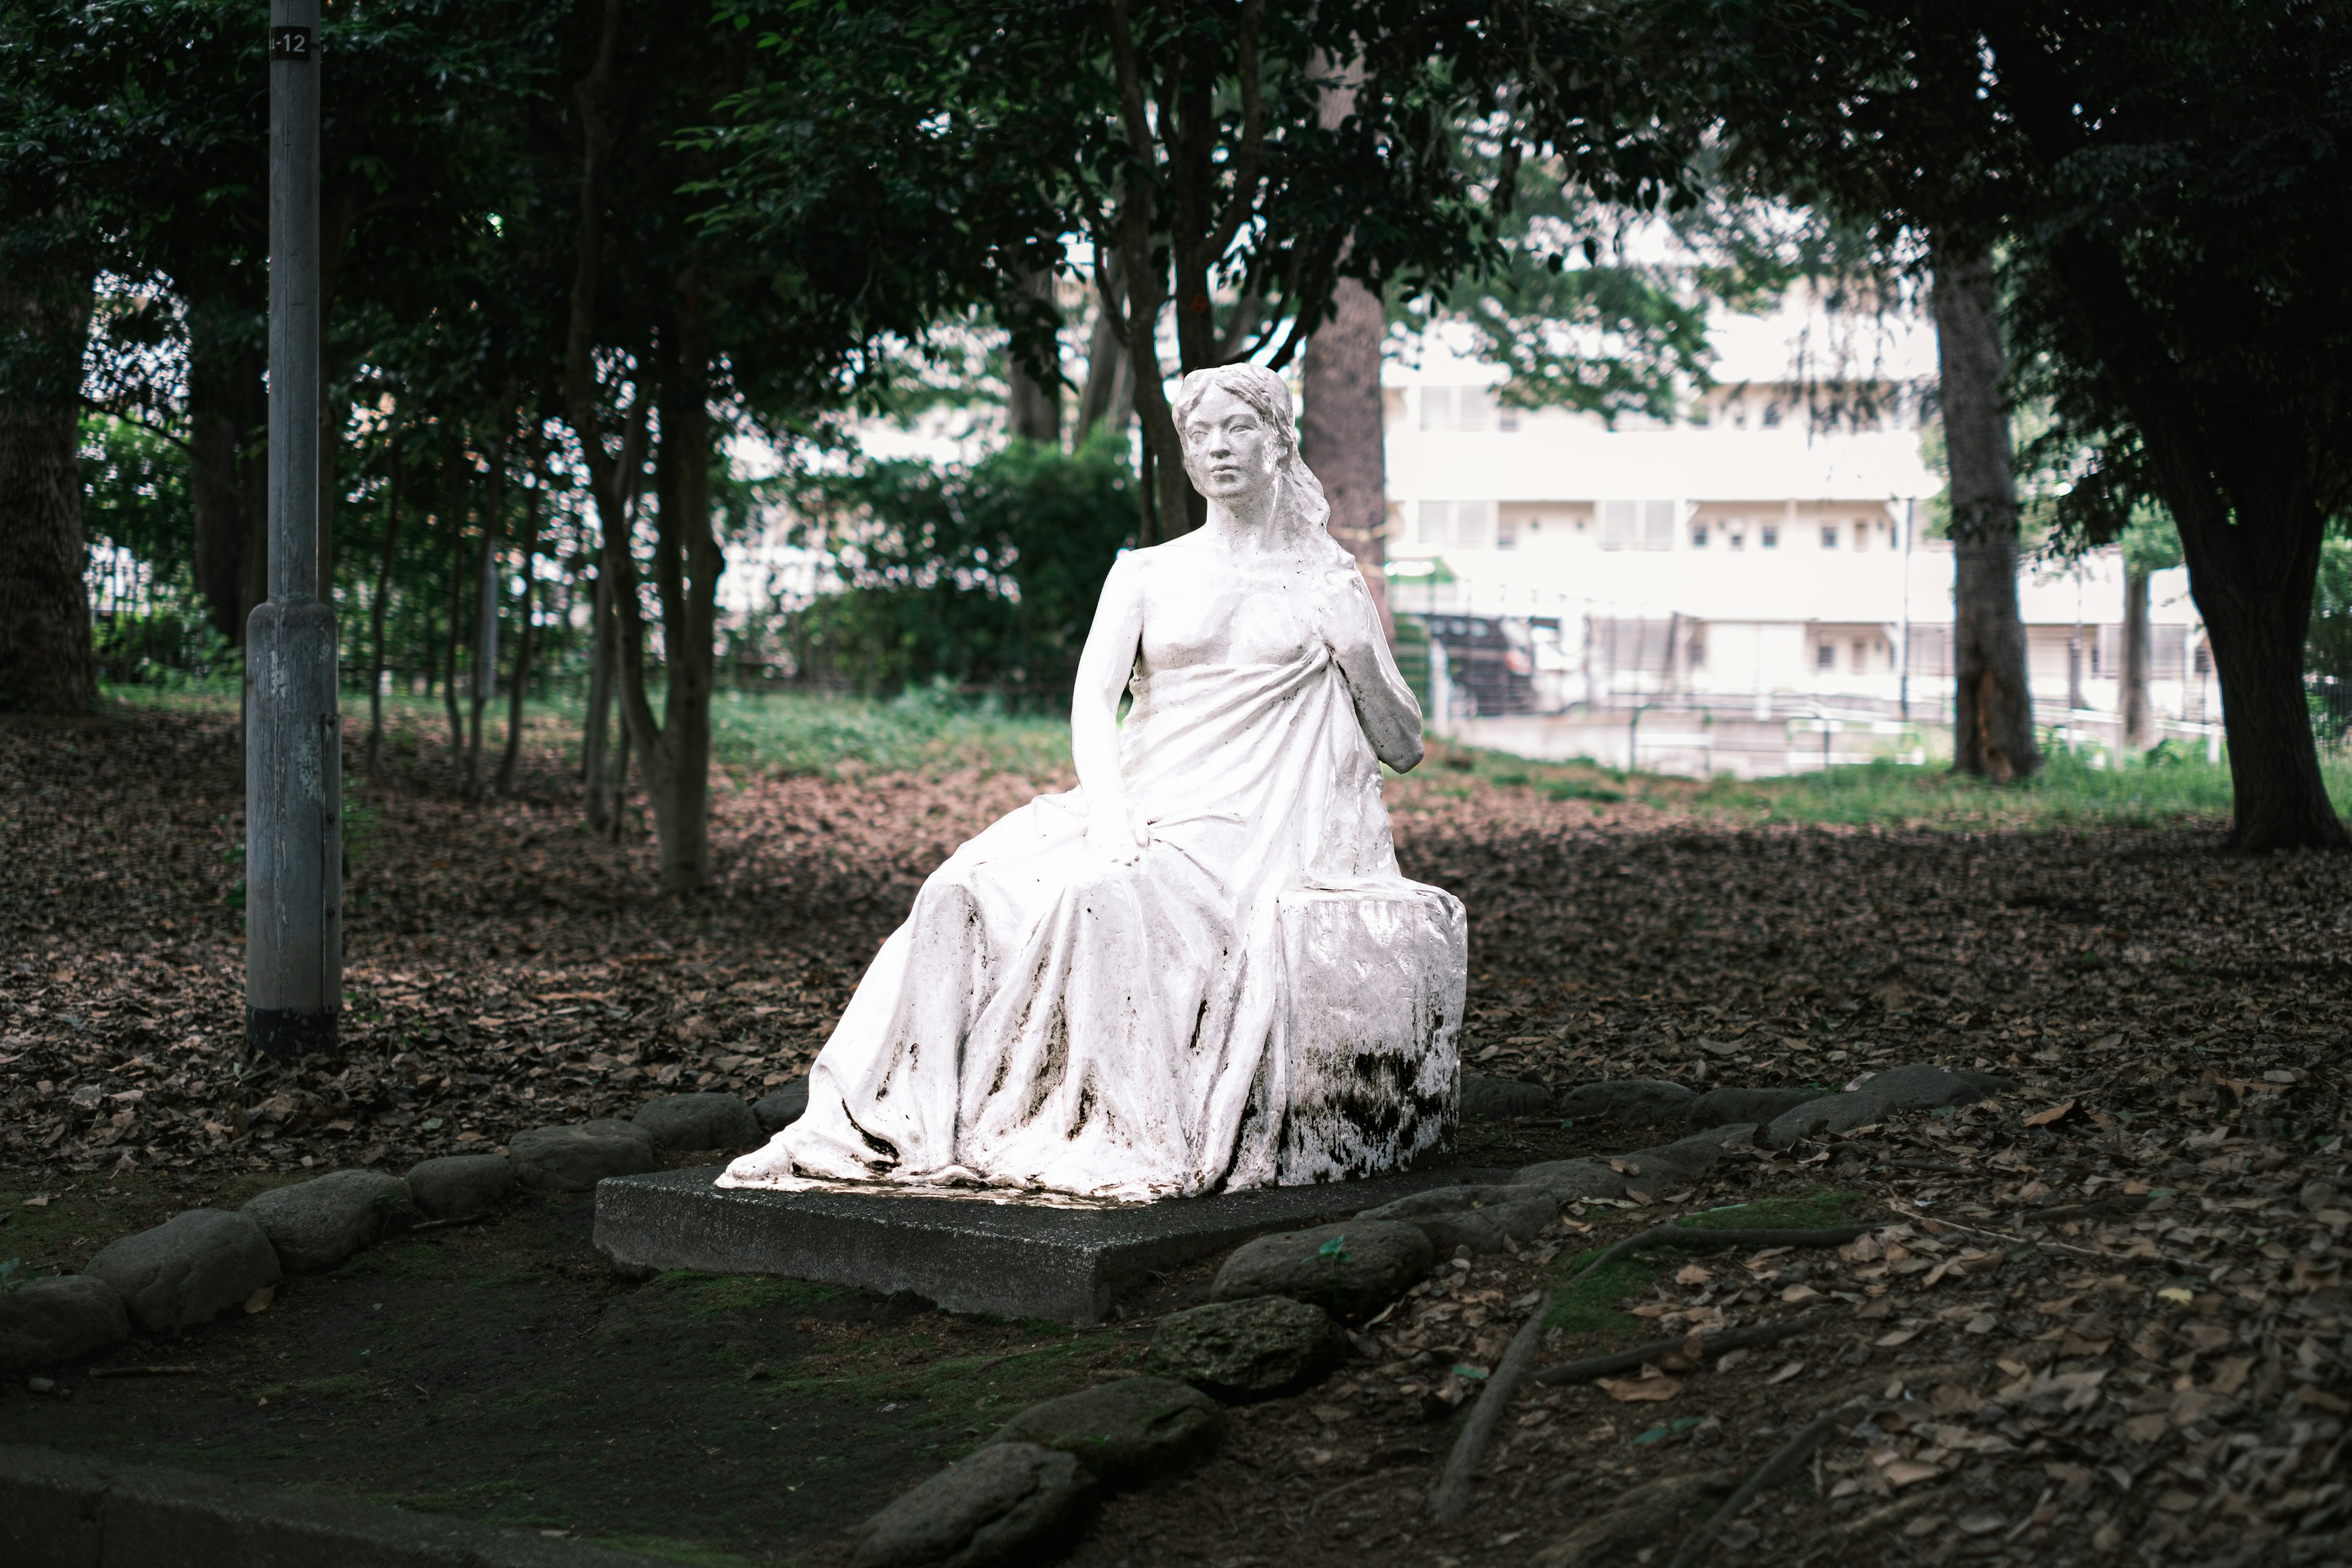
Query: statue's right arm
x,y
1104,666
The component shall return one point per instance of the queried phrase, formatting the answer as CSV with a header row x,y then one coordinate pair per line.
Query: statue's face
x,y
1230,451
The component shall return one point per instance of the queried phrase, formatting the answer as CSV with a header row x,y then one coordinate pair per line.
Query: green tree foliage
x,y
1189,141
985,574
2171,187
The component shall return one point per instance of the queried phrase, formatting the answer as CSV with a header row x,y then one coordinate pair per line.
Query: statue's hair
x,y
1262,391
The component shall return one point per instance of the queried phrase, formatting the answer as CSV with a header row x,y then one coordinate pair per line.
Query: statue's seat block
x,y
1367,1060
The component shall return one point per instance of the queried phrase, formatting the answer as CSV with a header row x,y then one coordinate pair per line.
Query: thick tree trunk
x,y
46,660
1342,434
2255,597
228,426
1108,393
523,640
376,610
2138,719
1994,737
1033,407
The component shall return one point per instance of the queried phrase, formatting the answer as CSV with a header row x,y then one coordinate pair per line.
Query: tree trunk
x,y
1343,434
597,728
1110,389
228,426
1994,737
2138,721
46,659
523,640
487,605
376,611
1034,408
2256,601
1343,428
457,636
620,785
1169,492
613,477
688,562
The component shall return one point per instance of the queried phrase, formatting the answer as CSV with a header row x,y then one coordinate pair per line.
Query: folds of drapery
x,y
1045,1018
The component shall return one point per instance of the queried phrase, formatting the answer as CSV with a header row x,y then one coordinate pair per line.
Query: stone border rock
x,y
197,1265
62,1511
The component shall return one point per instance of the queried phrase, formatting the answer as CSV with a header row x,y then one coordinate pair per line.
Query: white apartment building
x,y
1745,560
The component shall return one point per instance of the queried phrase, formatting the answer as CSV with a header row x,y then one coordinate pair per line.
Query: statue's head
x,y
1240,438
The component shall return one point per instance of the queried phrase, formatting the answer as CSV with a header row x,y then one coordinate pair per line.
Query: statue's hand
x,y
1116,835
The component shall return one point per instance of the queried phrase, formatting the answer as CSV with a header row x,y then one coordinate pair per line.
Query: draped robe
x,y
1046,1018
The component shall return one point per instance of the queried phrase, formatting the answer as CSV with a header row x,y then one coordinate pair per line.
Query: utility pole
x,y
293,747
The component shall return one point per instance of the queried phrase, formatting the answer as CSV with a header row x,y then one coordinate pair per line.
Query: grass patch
x,y
401,1260
971,1391
2168,786
495,1278
1816,1209
84,1214
932,731
456,1500
921,730
1590,1307
715,1293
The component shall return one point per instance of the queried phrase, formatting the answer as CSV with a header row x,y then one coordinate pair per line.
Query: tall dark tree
x,y
2170,188
45,664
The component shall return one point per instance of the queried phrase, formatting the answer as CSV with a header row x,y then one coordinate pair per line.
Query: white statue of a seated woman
x,y
1099,994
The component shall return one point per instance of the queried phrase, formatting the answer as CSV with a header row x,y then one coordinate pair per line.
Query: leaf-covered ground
x,y
2160,1378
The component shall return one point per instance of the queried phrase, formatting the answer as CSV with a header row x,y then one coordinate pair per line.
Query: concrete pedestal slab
x,y
1014,1258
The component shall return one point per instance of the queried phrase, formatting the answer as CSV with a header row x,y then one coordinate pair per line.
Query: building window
x,y
1455,525
1826,656
1829,535
1698,651
1506,533
1617,525
1658,524
1767,536
1860,655
1465,408
1699,536
1860,533
1638,524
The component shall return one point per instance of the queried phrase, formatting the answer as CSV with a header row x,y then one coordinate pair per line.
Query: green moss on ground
x,y
1589,1309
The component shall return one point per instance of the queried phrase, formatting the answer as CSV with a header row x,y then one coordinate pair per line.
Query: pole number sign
x,y
291,44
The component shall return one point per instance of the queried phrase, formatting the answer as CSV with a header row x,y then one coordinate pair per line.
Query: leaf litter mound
x,y
2100,1317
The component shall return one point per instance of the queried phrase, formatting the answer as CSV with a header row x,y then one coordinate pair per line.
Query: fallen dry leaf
x,y
2056,1114
1900,1473
1640,1390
